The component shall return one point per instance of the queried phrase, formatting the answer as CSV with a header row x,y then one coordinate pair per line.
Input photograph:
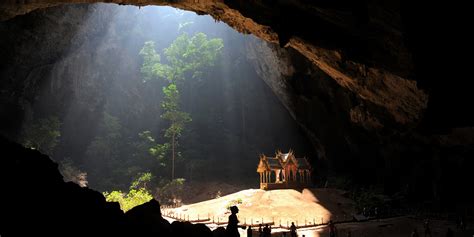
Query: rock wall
x,y
359,137
38,202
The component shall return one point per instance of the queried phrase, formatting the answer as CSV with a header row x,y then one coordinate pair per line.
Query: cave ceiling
x,y
372,48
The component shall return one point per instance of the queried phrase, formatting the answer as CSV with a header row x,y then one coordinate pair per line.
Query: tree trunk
x,y
172,159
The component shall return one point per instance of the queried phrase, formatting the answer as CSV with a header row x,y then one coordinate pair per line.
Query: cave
x,y
172,103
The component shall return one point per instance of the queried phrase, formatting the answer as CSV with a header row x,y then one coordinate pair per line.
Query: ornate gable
x,y
263,164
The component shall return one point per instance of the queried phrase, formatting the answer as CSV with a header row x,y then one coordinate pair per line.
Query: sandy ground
x,y
277,206
286,206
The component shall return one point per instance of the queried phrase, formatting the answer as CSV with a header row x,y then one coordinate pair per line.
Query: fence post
x,y
321,220
305,221
314,223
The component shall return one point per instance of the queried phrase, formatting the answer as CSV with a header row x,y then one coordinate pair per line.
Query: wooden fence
x,y
253,222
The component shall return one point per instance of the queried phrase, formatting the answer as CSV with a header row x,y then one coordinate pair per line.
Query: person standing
x,y
233,223
249,231
267,232
427,228
293,230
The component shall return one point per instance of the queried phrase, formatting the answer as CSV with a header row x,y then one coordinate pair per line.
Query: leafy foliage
x,y
43,134
186,57
128,200
103,153
234,202
169,191
150,59
142,180
157,150
137,195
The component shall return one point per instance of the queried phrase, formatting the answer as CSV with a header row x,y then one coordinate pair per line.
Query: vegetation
x,y
170,192
42,135
102,154
137,194
186,57
234,202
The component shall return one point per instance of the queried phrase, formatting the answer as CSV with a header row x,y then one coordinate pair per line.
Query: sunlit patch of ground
x,y
291,205
277,206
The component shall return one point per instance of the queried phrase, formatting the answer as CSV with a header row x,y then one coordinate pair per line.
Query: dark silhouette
x,y
267,231
249,231
332,229
293,230
426,225
260,231
414,233
462,223
219,232
232,225
449,233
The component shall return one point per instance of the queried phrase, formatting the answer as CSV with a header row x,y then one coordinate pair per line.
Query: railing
x,y
167,211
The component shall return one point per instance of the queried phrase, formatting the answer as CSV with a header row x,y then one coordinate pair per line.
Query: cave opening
x,y
100,107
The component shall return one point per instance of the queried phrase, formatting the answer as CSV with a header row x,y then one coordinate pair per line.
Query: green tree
x,y
103,154
157,150
43,134
170,191
186,57
137,194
